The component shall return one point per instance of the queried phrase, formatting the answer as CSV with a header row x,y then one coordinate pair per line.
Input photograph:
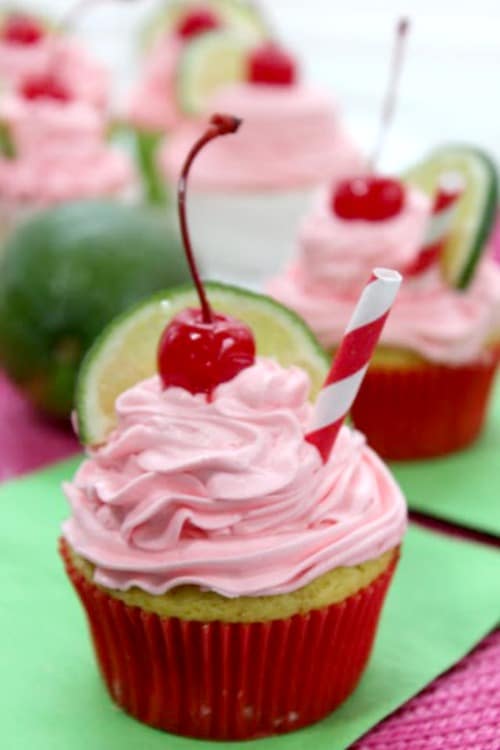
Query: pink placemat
x,y
28,441
460,710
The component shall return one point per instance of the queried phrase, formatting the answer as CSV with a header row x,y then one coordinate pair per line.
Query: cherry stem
x,y
389,103
219,125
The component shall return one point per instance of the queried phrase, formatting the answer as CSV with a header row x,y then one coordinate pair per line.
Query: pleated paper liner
x,y
427,411
224,681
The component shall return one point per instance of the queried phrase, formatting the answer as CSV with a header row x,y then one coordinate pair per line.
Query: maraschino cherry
x,y
371,197
197,21
22,30
270,64
200,349
44,86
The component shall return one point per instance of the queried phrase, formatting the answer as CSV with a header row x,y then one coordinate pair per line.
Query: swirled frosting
x,y
227,494
86,78
64,157
340,253
153,102
334,260
20,60
291,137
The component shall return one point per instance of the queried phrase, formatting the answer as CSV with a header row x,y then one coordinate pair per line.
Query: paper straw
x,y
449,191
352,359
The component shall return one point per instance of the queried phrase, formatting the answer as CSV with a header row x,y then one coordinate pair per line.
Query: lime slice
x,y
243,15
476,209
125,353
210,61
240,15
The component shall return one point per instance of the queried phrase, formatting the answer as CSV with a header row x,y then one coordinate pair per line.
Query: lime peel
x,y
476,211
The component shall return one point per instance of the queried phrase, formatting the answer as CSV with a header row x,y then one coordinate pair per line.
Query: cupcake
x,y
221,565
428,385
196,47
232,577
290,127
65,157
28,48
156,102
155,105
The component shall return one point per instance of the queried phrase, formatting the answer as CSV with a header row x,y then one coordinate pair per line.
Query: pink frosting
x,y
228,495
64,157
291,137
86,78
336,253
335,258
17,60
153,104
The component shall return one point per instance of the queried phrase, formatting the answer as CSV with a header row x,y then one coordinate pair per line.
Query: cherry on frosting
x,y
197,21
369,198
200,349
21,30
270,64
45,86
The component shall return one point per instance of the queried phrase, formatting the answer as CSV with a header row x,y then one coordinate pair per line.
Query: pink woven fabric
x,y
27,440
459,711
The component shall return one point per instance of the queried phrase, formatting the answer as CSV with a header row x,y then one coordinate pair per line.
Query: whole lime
x,y
65,274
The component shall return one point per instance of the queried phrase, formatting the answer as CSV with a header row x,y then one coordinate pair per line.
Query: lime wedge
x,y
125,353
208,62
243,15
239,15
476,209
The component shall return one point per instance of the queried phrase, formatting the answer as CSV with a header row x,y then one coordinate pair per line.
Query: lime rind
x,y
243,15
279,332
476,212
207,63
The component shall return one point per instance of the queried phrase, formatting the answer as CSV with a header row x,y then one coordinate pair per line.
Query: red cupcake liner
x,y
223,681
426,411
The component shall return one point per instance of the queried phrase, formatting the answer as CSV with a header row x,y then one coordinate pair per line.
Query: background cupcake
x,y
428,385
29,47
65,157
159,100
157,103
251,191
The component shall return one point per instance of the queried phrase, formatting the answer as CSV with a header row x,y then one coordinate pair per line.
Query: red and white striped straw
x,y
352,358
449,191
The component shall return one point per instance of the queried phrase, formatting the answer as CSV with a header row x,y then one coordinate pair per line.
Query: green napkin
x,y
445,597
463,488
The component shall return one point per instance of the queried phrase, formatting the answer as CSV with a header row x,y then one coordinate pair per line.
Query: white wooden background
x,y
450,86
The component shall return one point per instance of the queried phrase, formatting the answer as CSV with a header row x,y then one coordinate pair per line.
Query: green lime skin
x,y
65,273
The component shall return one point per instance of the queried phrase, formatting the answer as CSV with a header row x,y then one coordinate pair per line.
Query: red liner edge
x,y
424,412
225,681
